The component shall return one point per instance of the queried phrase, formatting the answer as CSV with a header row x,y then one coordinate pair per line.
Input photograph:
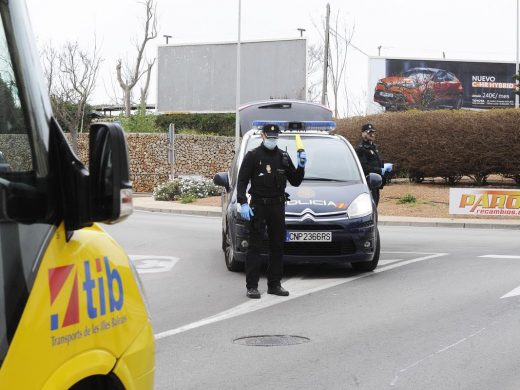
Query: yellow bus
x,y
72,314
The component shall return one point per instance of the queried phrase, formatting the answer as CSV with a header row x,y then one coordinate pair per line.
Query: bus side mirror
x,y
109,178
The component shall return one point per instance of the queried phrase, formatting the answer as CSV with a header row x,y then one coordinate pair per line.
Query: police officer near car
x,y
268,168
369,157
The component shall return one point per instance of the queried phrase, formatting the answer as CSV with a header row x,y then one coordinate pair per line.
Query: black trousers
x,y
272,216
375,195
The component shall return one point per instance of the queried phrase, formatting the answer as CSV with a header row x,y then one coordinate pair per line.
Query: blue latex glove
x,y
246,212
388,167
302,159
383,170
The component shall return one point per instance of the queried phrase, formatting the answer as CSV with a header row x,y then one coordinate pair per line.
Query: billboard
x,y
398,84
484,201
202,77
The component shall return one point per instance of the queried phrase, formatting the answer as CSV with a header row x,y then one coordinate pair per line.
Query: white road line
x,y
147,264
388,261
501,256
297,286
512,293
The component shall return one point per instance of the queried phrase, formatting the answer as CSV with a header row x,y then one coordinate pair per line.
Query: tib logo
x,y
99,284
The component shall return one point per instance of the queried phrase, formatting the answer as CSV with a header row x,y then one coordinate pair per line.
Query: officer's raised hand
x,y
302,159
246,212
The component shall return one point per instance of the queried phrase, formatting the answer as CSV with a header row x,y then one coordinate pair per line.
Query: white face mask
x,y
270,143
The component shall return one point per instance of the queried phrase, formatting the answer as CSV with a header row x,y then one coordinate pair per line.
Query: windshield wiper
x,y
322,179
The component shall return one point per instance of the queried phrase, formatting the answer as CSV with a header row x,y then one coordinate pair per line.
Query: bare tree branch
x,y
71,75
128,78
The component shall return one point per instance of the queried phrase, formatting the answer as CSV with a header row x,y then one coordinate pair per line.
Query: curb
x,y
383,220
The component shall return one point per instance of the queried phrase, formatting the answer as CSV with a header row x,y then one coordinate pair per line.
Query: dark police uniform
x,y
370,160
268,171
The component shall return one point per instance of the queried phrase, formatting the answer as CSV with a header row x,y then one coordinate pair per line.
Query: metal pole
x,y
517,55
171,149
237,114
325,58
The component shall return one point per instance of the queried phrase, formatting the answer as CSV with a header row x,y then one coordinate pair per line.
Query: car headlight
x,y
360,207
408,85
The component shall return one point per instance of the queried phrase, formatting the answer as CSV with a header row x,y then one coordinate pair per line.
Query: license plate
x,y
386,94
308,236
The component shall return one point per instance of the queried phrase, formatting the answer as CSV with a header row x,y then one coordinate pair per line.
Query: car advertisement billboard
x,y
398,84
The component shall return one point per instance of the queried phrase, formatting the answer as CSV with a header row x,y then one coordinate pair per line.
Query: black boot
x,y
278,290
253,293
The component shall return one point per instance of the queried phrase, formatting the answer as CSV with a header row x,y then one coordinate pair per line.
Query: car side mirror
x,y
374,181
222,179
110,186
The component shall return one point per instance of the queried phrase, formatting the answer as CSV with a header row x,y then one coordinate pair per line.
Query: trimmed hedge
x,y
445,143
215,123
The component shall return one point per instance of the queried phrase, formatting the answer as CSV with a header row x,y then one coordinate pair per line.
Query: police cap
x,y
271,130
368,127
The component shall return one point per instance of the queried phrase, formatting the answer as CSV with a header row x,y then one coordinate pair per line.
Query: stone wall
x,y
200,155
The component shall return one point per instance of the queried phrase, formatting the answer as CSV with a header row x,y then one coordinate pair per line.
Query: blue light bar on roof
x,y
287,126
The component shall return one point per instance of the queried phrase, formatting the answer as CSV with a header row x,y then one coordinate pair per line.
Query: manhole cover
x,y
271,340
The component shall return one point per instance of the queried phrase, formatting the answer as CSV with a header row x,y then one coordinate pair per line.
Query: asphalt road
x,y
440,312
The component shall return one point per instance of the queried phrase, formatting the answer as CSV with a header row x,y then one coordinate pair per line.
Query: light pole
x,y
517,55
301,30
237,115
167,37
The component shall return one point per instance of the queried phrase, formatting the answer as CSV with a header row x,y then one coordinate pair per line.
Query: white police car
x,y
330,217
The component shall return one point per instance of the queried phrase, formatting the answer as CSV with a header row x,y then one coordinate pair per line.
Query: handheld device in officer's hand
x,y
300,148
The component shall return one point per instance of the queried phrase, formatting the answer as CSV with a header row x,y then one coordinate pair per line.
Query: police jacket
x,y
369,157
268,171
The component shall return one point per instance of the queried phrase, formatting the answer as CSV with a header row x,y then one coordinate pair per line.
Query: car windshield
x,y
329,159
419,74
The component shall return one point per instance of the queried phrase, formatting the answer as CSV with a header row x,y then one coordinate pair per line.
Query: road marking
x,y
147,264
501,256
388,261
298,288
512,293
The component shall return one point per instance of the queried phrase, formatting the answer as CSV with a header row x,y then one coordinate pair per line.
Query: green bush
x,y
185,189
445,143
215,123
407,198
139,123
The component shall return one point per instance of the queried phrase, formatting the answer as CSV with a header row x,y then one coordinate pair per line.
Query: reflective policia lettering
x,y
113,283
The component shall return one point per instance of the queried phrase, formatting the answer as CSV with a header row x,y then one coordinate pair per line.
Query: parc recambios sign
x,y
487,202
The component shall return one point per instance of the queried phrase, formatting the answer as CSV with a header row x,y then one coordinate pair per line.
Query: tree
x,y
314,66
338,57
339,44
71,75
129,75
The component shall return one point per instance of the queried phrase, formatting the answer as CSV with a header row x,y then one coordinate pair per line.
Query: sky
x,y
462,29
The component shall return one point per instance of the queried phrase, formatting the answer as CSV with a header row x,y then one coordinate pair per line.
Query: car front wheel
x,y
369,266
229,254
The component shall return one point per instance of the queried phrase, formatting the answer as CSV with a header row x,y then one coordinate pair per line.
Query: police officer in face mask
x,y
268,169
368,155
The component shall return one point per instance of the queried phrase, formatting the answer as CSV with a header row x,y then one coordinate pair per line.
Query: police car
x,y
330,217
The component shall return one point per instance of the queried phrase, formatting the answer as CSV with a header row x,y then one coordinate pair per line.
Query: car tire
x,y
229,255
458,103
369,266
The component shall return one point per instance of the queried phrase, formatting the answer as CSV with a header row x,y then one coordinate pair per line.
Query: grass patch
x,y
407,199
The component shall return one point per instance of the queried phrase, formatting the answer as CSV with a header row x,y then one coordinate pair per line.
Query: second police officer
x,y
268,168
368,155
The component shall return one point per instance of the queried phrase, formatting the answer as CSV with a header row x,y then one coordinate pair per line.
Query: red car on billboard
x,y
423,88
